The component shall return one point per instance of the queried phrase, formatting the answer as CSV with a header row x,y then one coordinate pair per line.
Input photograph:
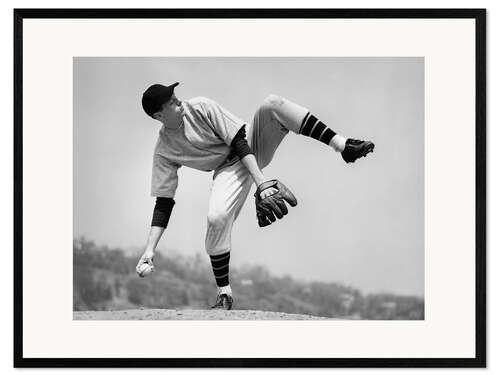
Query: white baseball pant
x,y
231,185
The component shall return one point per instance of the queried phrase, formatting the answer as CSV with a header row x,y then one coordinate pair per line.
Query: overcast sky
x,y
360,224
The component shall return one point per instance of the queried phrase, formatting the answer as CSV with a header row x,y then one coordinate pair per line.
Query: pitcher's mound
x,y
161,314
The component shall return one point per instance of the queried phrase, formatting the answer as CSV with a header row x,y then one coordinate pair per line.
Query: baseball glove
x,y
272,206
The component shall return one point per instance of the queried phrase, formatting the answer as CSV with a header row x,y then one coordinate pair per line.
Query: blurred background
x,y
354,246
105,279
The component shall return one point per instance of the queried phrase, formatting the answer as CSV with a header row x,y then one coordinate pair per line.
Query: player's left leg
x,y
230,189
278,115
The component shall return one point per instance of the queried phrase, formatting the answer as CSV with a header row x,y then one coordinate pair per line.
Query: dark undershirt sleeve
x,y
239,145
162,211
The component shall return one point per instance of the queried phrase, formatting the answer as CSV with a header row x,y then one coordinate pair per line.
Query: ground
x,y
162,314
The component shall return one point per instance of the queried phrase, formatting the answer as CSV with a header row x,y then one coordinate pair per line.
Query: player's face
x,y
171,112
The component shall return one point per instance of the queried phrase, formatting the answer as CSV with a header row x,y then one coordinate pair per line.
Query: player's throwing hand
x,y
145,265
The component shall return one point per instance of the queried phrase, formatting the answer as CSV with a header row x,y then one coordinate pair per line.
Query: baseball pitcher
x,y
198,133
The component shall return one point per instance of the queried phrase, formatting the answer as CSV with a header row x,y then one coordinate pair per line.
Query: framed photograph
x,y
250,188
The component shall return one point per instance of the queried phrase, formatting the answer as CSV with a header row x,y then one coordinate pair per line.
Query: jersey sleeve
x,y
225,124
164,179
240,146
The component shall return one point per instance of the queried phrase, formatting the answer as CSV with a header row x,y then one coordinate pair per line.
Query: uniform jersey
x,y
201,142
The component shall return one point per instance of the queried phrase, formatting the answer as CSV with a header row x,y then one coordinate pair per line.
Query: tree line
x,y
105,279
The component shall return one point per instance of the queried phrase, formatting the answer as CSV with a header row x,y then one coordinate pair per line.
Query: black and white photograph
x,y
309,184
248,188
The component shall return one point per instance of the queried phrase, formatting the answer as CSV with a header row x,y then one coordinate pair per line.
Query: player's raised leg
x,y
230,189
350,149
278,115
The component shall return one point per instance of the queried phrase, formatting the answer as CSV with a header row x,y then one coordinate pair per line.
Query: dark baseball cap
x,y
155,96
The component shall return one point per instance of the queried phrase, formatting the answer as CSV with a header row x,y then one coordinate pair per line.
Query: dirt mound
x,y
161,314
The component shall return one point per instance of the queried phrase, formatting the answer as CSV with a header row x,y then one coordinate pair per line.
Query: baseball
x,y
145,270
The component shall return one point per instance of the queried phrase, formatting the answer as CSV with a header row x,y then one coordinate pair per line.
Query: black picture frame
x,y
479,15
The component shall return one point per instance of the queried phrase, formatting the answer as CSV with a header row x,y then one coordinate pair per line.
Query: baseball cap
x,y
155,96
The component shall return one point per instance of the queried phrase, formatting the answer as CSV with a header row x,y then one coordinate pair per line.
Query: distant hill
x,y
105,279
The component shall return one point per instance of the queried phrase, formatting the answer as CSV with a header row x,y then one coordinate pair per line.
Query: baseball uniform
x,y
202,142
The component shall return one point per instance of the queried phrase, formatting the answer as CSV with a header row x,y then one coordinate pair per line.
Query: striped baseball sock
x,y
220,266
312,127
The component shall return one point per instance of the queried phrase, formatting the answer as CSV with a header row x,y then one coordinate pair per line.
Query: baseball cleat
x,y
224,302
354,149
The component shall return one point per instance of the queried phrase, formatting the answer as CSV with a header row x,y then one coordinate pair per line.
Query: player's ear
x,y
157,116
